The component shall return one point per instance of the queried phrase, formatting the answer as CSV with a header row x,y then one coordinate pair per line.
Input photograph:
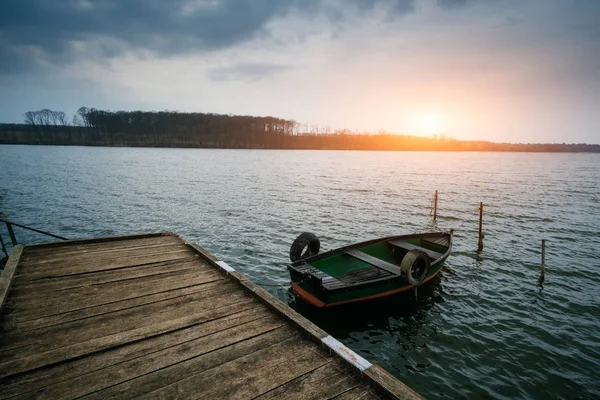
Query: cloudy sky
x,y
499,70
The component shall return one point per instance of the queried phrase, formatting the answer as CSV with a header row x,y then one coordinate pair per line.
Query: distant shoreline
x,y
236,137
594,151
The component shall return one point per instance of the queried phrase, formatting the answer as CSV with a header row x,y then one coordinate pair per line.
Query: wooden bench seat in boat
x,y
379,263
433,255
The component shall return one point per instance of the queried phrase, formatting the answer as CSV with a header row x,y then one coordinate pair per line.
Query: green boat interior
x,y
374,262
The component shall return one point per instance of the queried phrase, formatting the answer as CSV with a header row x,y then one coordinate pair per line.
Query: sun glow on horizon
x,y
429,124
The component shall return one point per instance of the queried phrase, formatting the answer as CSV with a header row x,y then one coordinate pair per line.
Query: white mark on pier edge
x,y
346,353
224,265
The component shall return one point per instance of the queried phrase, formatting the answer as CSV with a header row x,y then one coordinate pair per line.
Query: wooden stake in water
x,y
480,242
435,200
543,272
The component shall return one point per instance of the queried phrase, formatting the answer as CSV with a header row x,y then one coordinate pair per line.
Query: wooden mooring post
x,y
481,236
435,201
543,266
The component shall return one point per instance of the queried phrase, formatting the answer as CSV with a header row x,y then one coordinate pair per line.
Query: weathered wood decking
x,y
153,316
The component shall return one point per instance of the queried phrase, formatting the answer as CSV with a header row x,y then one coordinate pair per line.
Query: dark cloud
x,y
453,3
113,26
249,72
61,30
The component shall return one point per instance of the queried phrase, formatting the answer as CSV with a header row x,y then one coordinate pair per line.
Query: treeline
x,y
93,127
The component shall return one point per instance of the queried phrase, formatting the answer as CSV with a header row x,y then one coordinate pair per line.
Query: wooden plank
x,y
364,273
6,278
327,281
29,300
390,385
433,255
52,259
75,350
80,280
118,320
378,376
85,297
330,281
86,241
248,376
258,379
323,383
82,266
41,378
99,248
111,323
377,262
359,276
107,377
160,378
307,327
363,392
19,321
203,253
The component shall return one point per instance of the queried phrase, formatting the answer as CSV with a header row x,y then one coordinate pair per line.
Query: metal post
x,y
3,246
435,201
13,239
480,242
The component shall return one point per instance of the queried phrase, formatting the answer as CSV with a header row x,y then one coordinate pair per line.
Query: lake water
x,y
484,329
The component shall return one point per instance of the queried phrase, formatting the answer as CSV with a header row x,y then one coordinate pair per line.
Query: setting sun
x,y
429,124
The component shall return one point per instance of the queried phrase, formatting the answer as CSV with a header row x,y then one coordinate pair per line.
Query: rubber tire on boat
x,y
415,259
307,240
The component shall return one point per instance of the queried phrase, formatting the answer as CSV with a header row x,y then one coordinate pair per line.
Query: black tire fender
x,y
415,266
306,245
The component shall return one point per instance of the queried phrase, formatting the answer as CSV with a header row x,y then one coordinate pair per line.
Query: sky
x,y
525,71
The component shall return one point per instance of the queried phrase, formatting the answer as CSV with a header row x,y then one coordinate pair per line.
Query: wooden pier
x,y
156,317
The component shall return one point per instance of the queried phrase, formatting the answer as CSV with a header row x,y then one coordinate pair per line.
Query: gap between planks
x,y
103,325
94,278
85,297
125,363
63,248
46,321
75,350
43,258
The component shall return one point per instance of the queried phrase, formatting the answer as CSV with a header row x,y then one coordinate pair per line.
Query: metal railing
x,y
13,238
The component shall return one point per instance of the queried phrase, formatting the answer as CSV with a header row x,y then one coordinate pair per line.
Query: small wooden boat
x,y
366,270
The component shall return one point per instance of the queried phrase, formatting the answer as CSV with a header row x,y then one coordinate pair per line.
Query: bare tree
x,y
83,114
30,118
60,117
77,120
45,116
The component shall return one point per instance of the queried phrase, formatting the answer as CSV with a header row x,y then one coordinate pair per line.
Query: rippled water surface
x,y
483,329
